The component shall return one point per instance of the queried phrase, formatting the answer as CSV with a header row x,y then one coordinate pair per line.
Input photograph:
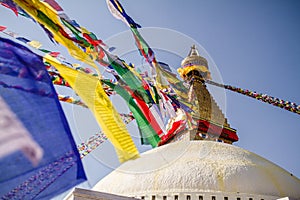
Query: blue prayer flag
x,y
48,163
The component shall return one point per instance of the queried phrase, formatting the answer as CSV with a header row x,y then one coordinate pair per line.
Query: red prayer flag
x,y
2,28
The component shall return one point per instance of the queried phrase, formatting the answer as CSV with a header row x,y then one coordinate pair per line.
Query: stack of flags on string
x,y
287,105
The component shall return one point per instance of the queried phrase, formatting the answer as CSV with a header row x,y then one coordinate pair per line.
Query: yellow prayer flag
x,y
84,30
35,44
75,65
91,92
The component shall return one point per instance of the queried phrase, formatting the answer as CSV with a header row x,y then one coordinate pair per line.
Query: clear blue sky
x,y
255,44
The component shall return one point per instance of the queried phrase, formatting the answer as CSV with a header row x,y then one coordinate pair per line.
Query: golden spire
x,y
195,71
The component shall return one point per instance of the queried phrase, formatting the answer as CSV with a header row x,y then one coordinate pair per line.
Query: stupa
x,y
202,163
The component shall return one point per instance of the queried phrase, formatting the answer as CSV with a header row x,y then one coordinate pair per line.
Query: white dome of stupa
x,y
200,170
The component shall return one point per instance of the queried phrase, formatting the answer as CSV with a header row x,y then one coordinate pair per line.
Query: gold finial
x,y
194,51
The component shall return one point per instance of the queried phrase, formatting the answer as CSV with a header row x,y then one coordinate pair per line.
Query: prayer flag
x,y
26,88
90,90
118,12
2,28
46,16
148,134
